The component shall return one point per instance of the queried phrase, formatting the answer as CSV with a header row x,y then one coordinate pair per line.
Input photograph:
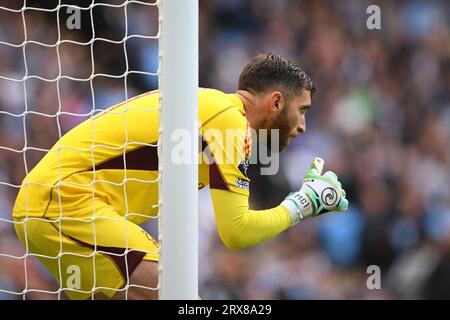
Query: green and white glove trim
x,y
319,194
298,205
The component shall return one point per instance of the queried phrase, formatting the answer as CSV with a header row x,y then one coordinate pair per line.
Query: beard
x,y
278,128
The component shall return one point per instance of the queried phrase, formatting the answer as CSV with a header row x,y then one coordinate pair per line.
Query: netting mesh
x,y
62,62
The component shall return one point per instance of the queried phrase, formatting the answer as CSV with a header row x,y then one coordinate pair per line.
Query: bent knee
x,y
143,283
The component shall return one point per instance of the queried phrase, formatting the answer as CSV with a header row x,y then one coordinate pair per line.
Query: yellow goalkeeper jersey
x,y
111,159
107,168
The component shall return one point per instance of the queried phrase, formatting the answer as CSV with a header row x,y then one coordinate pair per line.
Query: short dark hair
x,y
271,71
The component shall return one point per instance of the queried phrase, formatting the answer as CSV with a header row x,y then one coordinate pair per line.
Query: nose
x,y
301,126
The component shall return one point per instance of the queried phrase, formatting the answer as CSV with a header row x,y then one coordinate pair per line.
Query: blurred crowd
x,y
380,119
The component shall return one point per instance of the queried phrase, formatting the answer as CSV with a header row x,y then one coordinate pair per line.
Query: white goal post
x,y
178,218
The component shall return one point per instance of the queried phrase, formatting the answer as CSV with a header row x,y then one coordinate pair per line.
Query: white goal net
x,y
61,63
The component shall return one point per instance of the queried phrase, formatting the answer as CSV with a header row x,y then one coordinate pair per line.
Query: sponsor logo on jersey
x,y
242,184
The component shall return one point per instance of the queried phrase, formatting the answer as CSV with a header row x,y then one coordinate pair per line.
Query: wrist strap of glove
x,y
298,205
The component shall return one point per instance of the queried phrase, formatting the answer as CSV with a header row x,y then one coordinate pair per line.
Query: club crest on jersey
x,y
243,166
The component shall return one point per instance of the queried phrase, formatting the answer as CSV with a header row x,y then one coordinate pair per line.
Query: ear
x,y
276,101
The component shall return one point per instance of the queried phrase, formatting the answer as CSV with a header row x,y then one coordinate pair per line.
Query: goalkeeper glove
x,y
319,194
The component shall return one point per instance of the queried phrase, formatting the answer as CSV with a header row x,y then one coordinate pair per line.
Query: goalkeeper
x,y
80,208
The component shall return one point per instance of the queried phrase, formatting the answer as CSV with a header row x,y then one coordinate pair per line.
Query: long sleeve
x,y
240,227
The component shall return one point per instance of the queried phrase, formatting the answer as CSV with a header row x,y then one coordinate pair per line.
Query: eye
x,y
303,110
